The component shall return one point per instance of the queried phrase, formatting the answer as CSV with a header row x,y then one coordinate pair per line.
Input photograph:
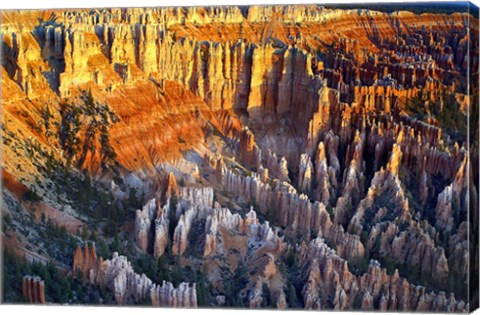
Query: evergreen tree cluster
x,y
94,120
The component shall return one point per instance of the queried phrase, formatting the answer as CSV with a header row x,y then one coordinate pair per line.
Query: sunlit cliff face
x,y
325,153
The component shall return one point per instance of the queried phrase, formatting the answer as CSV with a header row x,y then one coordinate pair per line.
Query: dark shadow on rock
x,y
44,34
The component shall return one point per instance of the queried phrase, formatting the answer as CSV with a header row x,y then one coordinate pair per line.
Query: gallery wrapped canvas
x,y
317,157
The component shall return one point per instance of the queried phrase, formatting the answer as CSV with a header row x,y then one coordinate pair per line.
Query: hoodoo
x,y
290,156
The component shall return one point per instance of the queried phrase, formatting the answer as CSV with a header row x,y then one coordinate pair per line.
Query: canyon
x,y
293,156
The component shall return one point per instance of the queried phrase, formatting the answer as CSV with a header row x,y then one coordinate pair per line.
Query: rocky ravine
x,y
291,156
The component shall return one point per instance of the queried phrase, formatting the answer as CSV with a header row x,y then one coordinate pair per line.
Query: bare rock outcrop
x,y
328,279
277,166
117,275
324,176
33,290
192,202
161,236
305,175
143,222
293,210
222,218
195,203
353,180
249,152
354,123
452,200
86,264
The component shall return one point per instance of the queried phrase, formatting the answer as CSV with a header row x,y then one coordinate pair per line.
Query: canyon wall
x,y
338,137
